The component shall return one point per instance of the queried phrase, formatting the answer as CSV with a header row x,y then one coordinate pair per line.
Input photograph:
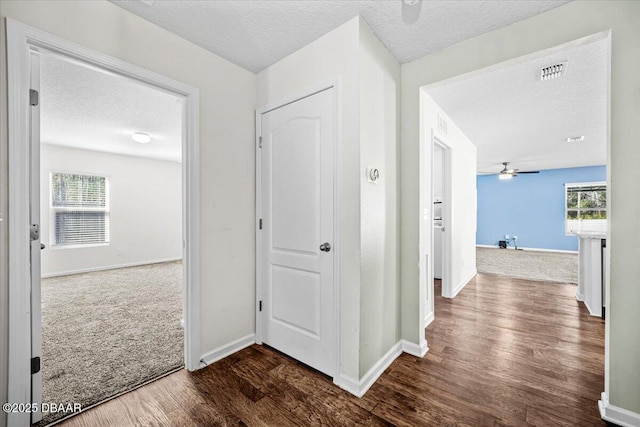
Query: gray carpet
x,y
531,265
106,332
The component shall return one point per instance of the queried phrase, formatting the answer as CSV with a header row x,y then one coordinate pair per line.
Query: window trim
x,y
567,185
53,209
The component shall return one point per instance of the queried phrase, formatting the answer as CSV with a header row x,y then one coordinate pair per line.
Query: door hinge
x,y
260,142
260,306
33,97
35,365
260,224
35,232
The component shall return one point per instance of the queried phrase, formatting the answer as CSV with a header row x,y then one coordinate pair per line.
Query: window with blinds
x,y
79,209
586,207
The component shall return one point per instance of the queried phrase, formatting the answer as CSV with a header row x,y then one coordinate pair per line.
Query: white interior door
x,y
34,214
297,209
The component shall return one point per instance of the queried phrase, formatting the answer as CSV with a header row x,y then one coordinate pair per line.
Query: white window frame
x,y
597,225
54,209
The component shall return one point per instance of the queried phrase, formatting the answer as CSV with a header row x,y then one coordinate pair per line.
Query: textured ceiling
x,y
512,116
255,34
86,108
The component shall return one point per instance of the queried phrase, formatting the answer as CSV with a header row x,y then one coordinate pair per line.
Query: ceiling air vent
x,y
443,126
553,71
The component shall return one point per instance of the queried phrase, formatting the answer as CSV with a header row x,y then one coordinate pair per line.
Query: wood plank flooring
x,y
504,352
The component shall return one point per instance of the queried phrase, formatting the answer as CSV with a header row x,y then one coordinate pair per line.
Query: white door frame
x,y
21,41
447,178
260,286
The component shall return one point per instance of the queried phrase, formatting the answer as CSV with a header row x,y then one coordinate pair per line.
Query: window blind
x,y
79,209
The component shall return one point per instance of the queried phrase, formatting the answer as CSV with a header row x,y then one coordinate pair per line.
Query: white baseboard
x,y
378,369
349,384
360,387
227,350
560,251
109,267
464,282
617,415
592,312
428,319
579,297
415,349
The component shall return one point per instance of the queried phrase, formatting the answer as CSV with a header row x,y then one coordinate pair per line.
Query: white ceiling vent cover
x,y
553,71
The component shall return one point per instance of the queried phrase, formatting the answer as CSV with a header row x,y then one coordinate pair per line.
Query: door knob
x,y
42,246
325,247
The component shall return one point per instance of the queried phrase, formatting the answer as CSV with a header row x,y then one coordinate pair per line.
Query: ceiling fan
x,y
507,173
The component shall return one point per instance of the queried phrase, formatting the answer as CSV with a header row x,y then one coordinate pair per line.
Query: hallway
x,y
518,349
503,352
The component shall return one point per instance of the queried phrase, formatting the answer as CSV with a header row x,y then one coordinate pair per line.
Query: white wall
x,y
227,104
379,293
462,206
560,25
334,54
145,210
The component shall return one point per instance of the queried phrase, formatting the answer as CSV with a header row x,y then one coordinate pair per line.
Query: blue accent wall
x,y
530,206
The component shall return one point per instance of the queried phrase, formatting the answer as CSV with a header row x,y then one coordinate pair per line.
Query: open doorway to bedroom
x,y
111,207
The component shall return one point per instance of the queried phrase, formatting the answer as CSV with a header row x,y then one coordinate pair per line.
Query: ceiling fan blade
x,y
529,172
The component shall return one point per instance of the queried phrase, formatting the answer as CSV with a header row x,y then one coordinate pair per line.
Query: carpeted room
x,y
111,228
106,332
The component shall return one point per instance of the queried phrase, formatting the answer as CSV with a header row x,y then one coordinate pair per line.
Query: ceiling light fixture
x,y
141,137
505,176
575,138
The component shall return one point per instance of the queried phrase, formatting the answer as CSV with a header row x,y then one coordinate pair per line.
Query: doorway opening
x,y
78,262
529,169
441,181
111,231
529,142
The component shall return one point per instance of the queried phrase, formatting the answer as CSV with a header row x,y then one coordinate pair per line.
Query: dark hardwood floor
x,y
504,352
